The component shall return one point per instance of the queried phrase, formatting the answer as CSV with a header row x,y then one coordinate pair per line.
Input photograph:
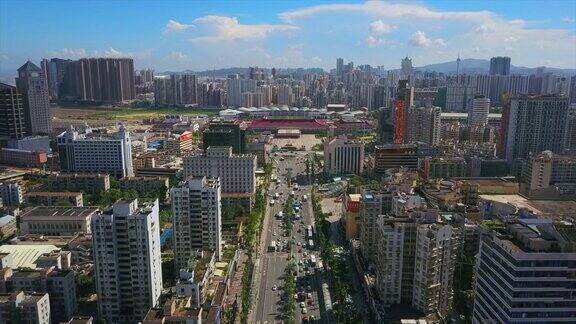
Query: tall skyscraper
x,y
478,115
126,243
534,124
386,125
406,68
404,100
500,65
196,215
339,67
31,83
12,116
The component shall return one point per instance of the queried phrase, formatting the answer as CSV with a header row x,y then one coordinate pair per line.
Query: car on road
x,y
302,305
304,311
274,288
309,295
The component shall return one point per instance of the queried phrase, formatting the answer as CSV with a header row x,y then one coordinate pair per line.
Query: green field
x,y
97,113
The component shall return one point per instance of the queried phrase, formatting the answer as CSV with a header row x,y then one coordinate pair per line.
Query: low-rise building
x,y
175,310
193,280
180,144
444,168
85,182
46,198
7,226
21,307
22,158
394,156
549,176
57,220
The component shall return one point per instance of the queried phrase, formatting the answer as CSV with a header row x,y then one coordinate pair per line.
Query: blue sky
x,y
178,35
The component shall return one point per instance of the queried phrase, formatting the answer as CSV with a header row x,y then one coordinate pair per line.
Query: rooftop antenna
x,y
458,64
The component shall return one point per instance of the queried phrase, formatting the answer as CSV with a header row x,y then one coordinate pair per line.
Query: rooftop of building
x,y
51,212
53,194
6,219
39,239
545,208
78,175
25,256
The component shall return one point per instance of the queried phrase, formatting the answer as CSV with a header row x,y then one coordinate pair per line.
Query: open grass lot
x,y
102,113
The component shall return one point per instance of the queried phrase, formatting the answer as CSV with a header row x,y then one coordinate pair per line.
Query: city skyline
x,y
180,36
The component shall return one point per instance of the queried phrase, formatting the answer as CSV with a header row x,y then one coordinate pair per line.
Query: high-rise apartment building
x,y
525,273
423,125
534,124
415,263
99,80
478,115
55,71
236,87
31,83
196,215
339,68
500,65
176,90
88,152
372,205
459,97
343,156
12,113
285,95
126,244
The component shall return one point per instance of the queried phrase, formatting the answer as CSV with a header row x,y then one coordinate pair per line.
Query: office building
x,y
85,182
478,115
60,286
104,80
423,125
223,133
393,156
500,65
31,83
406,68
21,307
91,153
196,215
57,221
237,172
126,245
343,156
176,90
11,193
540,288
12,112
534,124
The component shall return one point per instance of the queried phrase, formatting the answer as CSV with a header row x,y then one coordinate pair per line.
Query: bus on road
x,y
309,231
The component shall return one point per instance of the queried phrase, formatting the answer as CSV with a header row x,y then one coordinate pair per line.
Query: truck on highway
x,y
272,247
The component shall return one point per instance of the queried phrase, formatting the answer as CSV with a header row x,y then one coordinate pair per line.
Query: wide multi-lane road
x,y
270,268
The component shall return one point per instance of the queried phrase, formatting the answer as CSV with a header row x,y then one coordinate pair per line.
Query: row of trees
x,y
344,308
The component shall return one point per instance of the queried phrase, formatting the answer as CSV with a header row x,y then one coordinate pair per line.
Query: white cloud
x,y
111,52
378,27
178,57
384,10
222,28
419,39
569,20
174,26
373,41
69,53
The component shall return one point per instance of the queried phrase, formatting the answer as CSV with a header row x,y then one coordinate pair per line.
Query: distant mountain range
x,y
222,73
467,66
477,66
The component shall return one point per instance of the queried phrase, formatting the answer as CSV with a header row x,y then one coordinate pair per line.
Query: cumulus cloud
x,y
378,27
178,57
69,53
175,26
419,39
569,20
385,10
373,41
223,28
